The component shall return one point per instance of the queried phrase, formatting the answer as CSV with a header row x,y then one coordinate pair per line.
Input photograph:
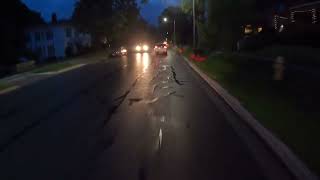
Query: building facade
x,y
302,14
55,40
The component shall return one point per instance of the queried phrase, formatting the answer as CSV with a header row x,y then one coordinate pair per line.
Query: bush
x,y
69,51
257,41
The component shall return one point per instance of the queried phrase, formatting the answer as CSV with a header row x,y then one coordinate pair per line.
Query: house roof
x,y
305,5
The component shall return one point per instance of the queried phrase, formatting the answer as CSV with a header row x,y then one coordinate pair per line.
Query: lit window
x,y
248,29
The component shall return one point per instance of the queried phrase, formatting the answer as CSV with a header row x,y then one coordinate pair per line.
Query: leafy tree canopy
x,y
108,19
15,17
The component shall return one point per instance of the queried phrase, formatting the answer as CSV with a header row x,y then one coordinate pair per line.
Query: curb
x,y
295,166
23,76
10,89
15,77
61,71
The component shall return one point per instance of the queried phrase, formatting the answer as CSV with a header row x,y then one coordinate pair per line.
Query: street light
x,y
194,23
165,19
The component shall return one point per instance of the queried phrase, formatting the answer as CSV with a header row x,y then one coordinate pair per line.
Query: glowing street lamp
x,y
165,19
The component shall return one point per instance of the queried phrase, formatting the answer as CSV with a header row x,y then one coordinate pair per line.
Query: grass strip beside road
x,y
55,67
287,108
306,56
4,86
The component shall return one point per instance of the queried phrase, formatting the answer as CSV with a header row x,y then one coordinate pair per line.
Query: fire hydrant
x,y
279,69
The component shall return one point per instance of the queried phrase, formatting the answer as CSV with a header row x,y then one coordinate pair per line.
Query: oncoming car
x,y
141,48
161,49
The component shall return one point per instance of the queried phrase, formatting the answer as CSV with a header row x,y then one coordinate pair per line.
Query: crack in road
x,y
55,109
154,100
175,76
113,109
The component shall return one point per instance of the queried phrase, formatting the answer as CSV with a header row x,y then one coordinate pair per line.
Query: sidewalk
x,y
17,81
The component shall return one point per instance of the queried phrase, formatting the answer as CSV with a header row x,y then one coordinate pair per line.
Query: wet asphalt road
x,y
138,117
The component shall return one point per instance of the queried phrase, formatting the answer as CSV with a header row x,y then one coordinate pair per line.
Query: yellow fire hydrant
x,y
279,68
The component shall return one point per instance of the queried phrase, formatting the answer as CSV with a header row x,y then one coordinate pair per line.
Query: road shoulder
x,y
18,81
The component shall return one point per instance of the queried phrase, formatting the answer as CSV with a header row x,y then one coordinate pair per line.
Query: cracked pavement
x,y
136,117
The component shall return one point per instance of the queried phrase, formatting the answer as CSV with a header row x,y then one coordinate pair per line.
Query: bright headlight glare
x,y
123,50
145,48
138,48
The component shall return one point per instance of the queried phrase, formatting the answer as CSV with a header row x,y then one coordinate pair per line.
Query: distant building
x,y
55,40
299,14
307,13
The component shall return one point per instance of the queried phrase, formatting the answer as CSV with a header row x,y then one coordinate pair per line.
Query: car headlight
x,y
138,48
146,48
124,51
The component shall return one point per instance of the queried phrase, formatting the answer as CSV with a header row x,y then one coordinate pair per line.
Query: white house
x,y
52,40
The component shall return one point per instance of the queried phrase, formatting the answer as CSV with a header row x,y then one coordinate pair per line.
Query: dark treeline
x,y
15,17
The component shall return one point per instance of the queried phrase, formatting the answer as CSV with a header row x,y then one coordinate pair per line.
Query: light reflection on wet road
x,y
136,117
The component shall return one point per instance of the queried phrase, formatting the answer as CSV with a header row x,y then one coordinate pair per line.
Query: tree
x,y
183,24
94,16
200,9
107,19
54,18
225,19
219,21
15,17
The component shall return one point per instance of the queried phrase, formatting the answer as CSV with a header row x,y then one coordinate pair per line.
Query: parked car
x,y
161,49
122,51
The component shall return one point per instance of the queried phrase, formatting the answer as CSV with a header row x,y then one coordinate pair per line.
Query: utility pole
x,y
194,23
165,19
174,32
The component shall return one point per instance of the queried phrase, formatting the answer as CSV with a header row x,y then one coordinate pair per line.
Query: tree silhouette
x,y
15,17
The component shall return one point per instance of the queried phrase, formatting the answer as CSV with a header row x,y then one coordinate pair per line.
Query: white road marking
x,y
9,90
160,138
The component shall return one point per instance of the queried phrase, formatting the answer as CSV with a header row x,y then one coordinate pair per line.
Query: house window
x,y
38,36
49,35
51,51
68,32
43,36
39,51
28,37
43,51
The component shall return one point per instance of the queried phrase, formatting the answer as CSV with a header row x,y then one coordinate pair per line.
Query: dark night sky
x,y
64,8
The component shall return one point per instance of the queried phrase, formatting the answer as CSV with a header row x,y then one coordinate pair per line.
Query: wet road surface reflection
x,y
143,60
